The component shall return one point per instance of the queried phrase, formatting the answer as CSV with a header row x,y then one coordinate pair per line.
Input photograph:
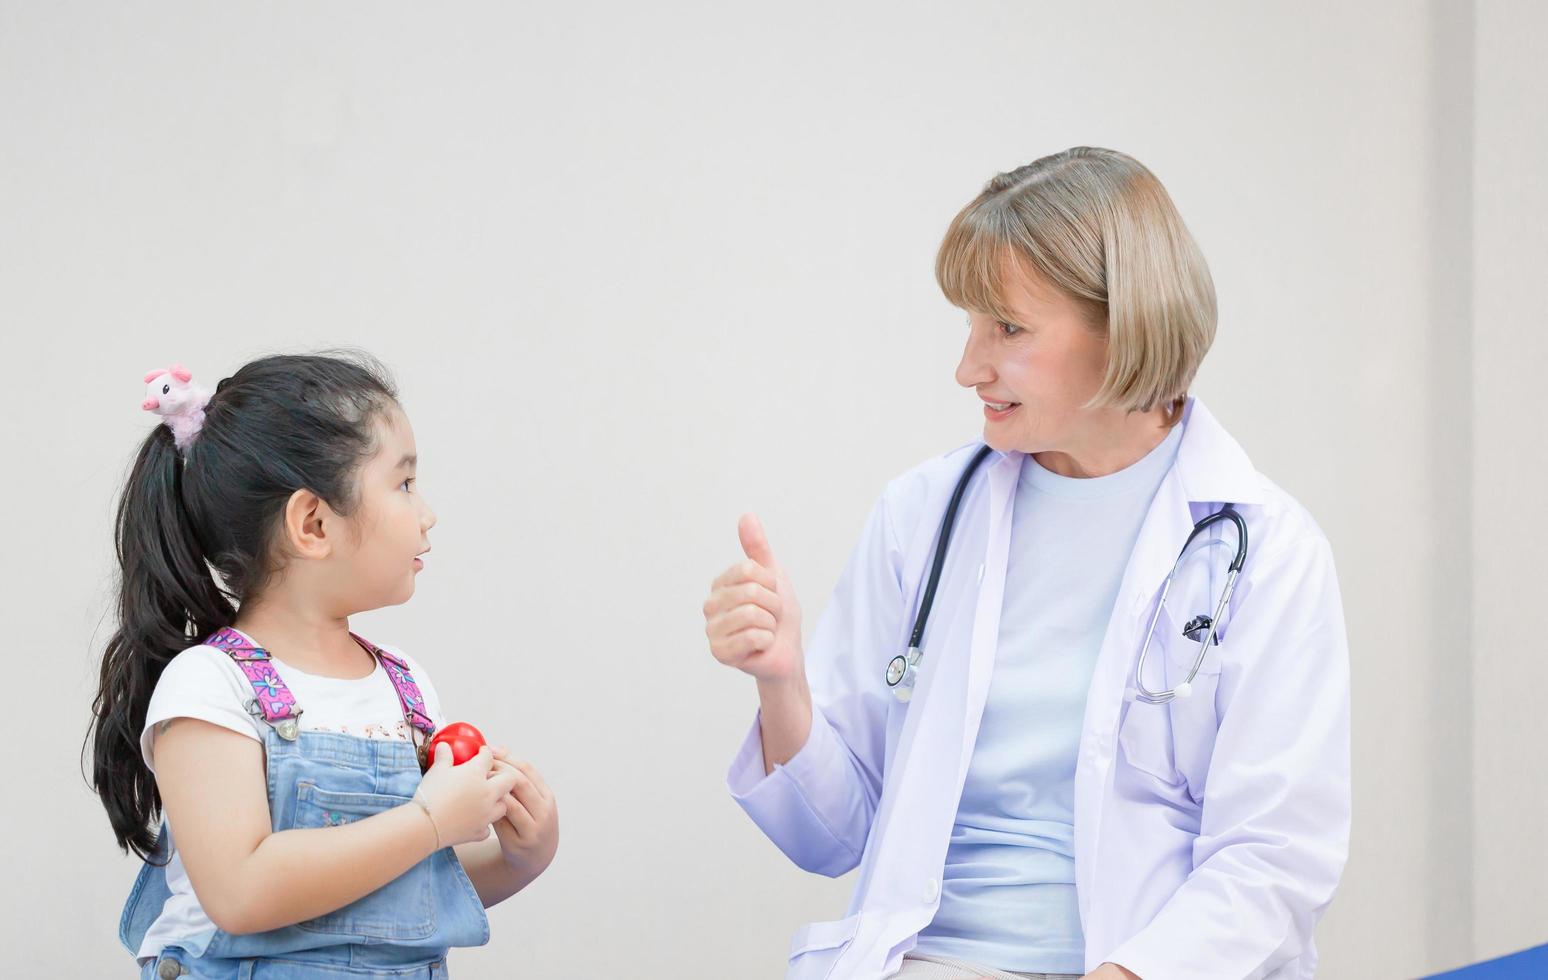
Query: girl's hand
x,y
751,616
464,800
529,827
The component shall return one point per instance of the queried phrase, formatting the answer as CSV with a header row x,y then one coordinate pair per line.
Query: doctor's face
x,y
1035,372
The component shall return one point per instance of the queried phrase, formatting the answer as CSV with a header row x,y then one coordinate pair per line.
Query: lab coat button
x,y
932,890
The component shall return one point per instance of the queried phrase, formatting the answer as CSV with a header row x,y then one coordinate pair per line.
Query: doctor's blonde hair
x,y
1099,227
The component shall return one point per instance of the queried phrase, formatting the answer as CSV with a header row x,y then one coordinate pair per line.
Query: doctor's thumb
x,y
754,544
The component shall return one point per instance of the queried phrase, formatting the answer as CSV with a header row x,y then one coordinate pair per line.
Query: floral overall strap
x,y
272,701
409,697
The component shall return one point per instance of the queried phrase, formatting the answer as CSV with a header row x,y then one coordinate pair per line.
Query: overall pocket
x,y
401,910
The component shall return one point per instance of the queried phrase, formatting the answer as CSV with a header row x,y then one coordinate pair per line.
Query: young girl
x,y
305,833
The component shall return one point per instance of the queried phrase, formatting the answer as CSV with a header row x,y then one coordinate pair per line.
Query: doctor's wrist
x,y
785,720
791,691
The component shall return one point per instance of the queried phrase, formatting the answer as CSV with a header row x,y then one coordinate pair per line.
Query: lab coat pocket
x,y
815,948
1145,738
1145,730
1194,718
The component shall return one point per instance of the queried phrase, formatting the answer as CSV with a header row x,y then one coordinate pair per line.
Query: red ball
x,y
464,739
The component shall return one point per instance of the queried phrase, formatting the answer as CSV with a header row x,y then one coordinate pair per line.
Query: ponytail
x,y
167,600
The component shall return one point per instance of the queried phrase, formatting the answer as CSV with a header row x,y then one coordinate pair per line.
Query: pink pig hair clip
x,y
171,394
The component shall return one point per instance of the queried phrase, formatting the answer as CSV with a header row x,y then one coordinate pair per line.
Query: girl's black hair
x,y
280,424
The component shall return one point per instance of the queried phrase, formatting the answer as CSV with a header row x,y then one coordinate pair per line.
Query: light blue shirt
x,y
1008,886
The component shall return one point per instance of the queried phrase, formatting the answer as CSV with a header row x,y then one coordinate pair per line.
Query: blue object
x,y
1517,966
324,779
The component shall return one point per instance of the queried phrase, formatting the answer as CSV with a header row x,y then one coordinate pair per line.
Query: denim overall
x,y
322,779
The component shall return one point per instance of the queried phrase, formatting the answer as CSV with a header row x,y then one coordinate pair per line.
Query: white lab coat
x,y
1209,833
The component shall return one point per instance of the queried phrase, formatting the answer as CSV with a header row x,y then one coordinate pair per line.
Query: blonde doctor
x,y
1042,805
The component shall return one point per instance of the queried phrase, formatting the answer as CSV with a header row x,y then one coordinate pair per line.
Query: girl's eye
x,y
408,484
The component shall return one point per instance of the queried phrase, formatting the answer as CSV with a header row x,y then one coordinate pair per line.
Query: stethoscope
x,y
903,670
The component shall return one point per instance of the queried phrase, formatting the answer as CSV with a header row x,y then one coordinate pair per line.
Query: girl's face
x,y
392,523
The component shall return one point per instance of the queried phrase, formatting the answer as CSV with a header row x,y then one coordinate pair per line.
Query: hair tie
x,y
171,394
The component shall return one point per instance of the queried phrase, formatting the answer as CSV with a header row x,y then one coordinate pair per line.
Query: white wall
x,y
642,267
1509,469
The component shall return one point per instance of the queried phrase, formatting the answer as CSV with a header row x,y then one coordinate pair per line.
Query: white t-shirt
x,y
205,683
1008,882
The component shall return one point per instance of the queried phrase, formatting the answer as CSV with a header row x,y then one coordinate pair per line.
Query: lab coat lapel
x,y
925,773
1212,465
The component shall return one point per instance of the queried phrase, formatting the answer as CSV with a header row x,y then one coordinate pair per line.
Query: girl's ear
x,y
306,525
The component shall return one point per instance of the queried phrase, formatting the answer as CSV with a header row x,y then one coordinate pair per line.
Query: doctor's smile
x,y
995,411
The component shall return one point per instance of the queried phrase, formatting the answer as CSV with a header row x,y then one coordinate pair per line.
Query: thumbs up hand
x,y
751,616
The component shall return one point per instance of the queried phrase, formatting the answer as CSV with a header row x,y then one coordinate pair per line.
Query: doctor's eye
x,y
1007,329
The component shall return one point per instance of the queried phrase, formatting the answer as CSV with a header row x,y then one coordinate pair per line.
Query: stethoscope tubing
x,y
903,669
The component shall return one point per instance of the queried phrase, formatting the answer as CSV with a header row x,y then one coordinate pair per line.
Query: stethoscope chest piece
x,y
902,672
